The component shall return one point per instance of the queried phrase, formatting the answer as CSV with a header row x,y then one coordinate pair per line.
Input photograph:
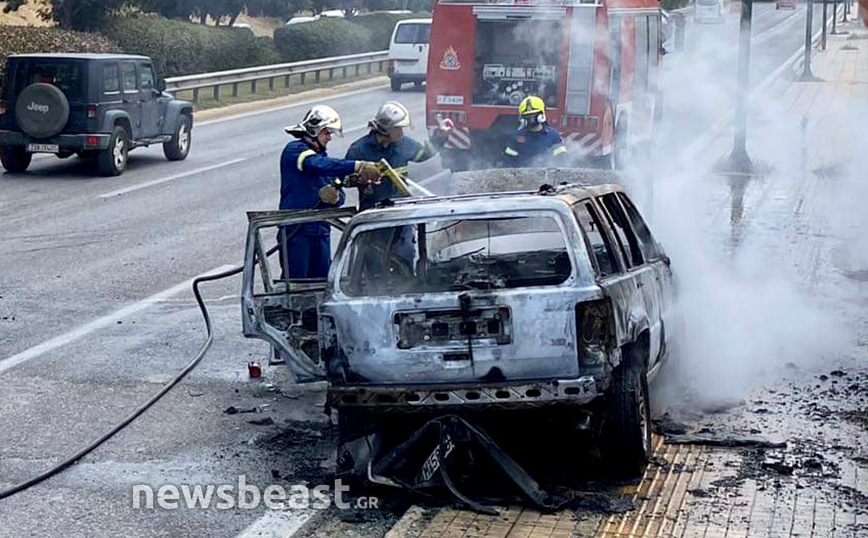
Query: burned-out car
x,y
478,317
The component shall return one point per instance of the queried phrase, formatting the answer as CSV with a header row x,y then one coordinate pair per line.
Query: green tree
x,y
281,9
83,15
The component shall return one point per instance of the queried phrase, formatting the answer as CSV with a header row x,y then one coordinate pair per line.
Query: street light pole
x,y
739,156
825,20
806,72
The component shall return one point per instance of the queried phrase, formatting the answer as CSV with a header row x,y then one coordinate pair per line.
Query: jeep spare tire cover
x,y
42,110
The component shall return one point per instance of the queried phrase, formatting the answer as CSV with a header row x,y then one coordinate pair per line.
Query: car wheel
x,y
112,161
396,85
178,147
15,159
626,442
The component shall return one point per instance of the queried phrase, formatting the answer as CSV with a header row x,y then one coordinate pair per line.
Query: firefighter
x,y
307,181
534,143
386,140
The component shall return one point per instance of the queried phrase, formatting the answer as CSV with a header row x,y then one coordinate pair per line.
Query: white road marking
x,y
99,323
147,184
277,524
288,105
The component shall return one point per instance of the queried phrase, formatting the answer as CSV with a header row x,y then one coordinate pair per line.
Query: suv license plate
x,y
43,148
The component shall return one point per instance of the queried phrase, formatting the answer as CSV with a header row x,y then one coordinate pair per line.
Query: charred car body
x,y
504,313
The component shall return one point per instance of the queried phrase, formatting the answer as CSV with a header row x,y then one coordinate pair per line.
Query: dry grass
x,y
27,15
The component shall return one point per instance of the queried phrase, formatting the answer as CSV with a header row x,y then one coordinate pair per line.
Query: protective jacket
x,y
398,155
533,148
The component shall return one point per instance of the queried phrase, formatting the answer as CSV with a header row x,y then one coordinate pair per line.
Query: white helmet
x,y
317,118
391,114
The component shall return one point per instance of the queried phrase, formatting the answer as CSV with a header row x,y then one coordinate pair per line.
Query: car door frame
x,y
153,109
283,297
132,104
619,286
663,277
644,286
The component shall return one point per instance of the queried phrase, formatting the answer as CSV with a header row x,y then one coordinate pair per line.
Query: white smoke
x,y
762,290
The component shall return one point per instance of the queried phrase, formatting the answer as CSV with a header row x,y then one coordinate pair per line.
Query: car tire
x,y
52,112
15,159
395,84
112,161
626,436
178,147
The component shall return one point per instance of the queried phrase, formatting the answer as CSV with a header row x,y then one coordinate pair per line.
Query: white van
x,y
408,52
709,11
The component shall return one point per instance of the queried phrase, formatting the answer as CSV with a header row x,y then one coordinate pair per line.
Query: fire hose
x,y
387,171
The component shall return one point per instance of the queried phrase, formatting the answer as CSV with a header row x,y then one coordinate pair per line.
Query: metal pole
x,y
739,154
825,22
835,18
806,73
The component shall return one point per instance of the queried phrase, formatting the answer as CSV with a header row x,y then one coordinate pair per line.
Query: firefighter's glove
x,y
329,195
444,127
368,173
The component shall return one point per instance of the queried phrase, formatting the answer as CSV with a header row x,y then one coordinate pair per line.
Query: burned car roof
x,y
547,197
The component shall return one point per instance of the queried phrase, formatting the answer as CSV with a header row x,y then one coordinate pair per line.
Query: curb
x,y
404,526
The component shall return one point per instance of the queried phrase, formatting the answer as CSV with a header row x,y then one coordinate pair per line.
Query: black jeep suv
x,y
98,106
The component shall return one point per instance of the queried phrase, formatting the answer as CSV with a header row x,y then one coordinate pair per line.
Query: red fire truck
x,y
594,62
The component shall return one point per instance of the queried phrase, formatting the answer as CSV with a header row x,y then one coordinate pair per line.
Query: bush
x,y
321,39
26,39
183,48
381,26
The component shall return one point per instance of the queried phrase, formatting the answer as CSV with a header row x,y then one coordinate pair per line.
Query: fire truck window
x,y
515,59
641,80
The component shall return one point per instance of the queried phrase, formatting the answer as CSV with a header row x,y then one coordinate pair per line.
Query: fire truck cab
x,y
594,62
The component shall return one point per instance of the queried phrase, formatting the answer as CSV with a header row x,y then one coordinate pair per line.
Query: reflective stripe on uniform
x,y
302,156
511,152
558,150
402,170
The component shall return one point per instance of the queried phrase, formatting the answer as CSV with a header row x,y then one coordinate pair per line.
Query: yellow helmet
x,y
532,110
531,105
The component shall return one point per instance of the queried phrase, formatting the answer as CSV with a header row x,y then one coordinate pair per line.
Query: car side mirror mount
x,y
161,85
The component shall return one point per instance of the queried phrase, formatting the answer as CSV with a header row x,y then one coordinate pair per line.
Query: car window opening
x,y
457,255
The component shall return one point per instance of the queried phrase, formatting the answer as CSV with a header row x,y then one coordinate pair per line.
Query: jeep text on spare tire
x,y
93,105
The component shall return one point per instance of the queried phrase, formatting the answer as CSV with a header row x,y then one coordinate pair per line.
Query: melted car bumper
x,y
579,391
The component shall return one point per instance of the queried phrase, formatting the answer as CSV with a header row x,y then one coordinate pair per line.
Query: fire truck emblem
x,y
450,60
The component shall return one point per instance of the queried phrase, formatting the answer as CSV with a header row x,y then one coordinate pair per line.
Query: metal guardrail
x,y
252,75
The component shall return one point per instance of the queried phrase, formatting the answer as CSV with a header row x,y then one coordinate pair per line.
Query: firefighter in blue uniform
x,y
535,143
307,181
386,140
